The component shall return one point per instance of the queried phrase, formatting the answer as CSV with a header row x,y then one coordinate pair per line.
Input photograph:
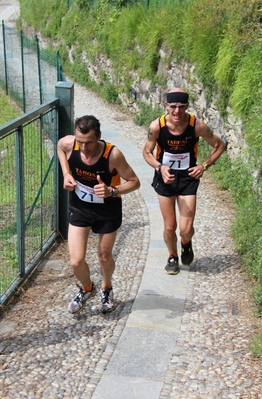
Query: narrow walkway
x,y
138,366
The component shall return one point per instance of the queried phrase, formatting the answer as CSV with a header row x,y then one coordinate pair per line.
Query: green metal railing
x,y
33,203
29,193
27,73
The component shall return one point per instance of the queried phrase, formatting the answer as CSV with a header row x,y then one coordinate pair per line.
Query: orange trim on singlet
x,y
107,150
192,119
115,181
76,146
162,123
162,120
105,154
196,150
158,151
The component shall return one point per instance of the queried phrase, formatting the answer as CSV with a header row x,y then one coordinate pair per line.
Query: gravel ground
x,y
47,353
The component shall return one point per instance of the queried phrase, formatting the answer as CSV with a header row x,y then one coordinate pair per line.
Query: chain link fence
x,y
28,74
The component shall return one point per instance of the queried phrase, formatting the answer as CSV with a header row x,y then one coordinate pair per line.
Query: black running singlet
x,y
83,197
177,152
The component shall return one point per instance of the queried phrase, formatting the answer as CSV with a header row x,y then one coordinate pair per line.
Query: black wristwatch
x,y
114,192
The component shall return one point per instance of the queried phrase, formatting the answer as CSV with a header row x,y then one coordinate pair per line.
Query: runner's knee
x,y
104,256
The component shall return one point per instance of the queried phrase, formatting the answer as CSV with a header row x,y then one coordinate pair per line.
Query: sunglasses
x,y
179,106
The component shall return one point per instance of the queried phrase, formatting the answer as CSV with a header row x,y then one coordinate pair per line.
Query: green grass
x,y
7,110
237,179
255,345
147,114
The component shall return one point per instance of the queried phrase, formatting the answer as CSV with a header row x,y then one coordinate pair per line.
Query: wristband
x,y
114,192
158,168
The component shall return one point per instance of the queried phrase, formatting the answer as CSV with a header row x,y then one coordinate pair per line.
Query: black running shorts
x,y
104,226
183,185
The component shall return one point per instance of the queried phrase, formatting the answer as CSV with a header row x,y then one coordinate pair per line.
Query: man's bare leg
x,y
168,210
107,267
77,243
187,210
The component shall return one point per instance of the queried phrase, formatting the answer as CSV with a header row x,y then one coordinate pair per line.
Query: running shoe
x,y
187,254
107,300
172,265
78,303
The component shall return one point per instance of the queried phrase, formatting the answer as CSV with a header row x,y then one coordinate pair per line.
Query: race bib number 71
x,y
176,161
87,194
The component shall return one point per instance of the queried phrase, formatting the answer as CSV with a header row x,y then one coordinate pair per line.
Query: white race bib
x,y
87,194
176,161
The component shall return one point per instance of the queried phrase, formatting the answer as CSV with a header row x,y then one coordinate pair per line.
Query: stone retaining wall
x,y
175,74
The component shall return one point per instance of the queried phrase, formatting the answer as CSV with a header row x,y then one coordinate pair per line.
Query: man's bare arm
x,y
64,148
213,140
126,173
152,136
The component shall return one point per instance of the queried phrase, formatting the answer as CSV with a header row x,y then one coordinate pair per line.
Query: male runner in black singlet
x,y
92,170
174,138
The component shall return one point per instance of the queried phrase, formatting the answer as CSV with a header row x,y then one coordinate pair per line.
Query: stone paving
x,y
211,357
47,353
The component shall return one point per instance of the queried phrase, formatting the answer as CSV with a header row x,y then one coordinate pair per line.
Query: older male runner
x,y
171,149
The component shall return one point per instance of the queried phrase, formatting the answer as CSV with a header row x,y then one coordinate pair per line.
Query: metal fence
x,y
28,204
33,204
27,73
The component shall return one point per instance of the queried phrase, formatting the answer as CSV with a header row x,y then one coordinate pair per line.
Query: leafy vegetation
x,y
147,114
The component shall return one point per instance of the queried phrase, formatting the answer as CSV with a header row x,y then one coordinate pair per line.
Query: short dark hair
x,y
86,123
